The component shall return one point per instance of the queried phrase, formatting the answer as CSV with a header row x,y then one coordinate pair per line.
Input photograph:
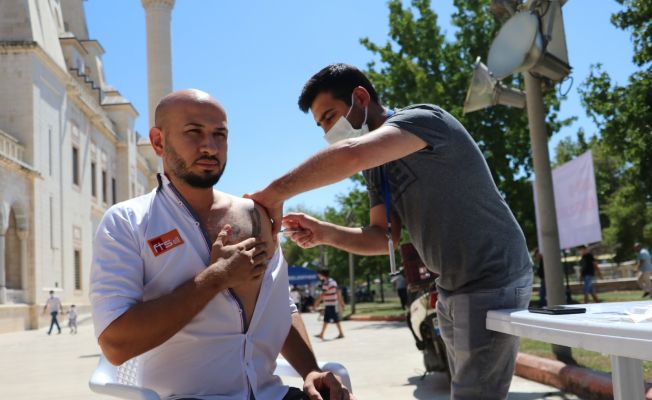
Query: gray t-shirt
x,y
447,200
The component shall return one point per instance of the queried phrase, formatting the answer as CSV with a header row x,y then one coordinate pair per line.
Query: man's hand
x,y
273,206
307,231
327,383
237,263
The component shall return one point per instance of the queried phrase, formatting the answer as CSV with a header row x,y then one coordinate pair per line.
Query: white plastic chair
x,y
120,381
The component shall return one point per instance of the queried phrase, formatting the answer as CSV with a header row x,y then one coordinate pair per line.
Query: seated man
x,y
190,280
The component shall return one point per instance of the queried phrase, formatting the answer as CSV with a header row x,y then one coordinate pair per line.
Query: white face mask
x,y
343,128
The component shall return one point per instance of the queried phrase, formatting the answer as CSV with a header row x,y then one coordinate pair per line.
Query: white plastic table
x,y
603,328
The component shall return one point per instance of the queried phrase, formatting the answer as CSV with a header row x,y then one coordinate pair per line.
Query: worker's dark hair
x,y
339,80
323,271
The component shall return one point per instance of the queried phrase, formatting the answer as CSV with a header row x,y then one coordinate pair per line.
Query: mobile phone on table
x,y
558,310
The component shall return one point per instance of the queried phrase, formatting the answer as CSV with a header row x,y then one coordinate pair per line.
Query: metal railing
x,y
10,147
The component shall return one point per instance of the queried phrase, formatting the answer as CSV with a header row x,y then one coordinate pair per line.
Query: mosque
x,y
68,149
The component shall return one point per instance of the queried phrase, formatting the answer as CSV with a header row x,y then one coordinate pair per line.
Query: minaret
x,y
159,51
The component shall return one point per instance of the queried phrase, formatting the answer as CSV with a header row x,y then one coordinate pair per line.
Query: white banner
x,y
576,202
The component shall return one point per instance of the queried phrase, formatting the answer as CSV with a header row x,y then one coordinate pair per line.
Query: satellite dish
x,y
518,46
485,91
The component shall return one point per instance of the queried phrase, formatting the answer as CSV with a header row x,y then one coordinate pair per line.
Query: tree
x,y
623,115
417,65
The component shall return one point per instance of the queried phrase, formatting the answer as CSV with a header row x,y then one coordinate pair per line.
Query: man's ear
x,y
156,140
361,95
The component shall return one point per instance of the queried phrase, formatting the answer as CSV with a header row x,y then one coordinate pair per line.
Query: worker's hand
x,y
307,231
271,203
238,263
327,384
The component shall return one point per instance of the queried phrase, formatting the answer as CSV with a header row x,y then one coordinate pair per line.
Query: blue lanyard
x,y
384,187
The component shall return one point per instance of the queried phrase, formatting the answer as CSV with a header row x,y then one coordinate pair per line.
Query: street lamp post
x,y
544,192
545,198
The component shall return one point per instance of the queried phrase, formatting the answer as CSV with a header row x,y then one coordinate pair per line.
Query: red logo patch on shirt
x,y
165,242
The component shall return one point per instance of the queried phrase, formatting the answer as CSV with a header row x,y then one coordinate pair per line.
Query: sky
x,y
254,57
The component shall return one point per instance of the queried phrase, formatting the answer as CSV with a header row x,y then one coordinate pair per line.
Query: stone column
x,y
159,51
3,288
24,273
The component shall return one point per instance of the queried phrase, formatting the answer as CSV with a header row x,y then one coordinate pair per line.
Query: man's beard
x,y
180,170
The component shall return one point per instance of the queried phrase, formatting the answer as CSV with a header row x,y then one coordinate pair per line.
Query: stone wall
x,y
15,317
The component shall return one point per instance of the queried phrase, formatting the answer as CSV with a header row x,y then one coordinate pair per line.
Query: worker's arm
x,y
367,241
335,163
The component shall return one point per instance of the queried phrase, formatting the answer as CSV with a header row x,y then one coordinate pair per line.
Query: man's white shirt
x,y
145,248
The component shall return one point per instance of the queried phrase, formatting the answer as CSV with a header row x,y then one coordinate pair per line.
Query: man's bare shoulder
x,y
246,217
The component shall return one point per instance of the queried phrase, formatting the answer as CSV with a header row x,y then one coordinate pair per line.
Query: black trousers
x,y
292,394
296,394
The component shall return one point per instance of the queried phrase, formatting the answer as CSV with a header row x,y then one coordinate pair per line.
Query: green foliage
x,y
637,16
623,115
626,215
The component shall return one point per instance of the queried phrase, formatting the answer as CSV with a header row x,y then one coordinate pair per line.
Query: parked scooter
x,y
422,314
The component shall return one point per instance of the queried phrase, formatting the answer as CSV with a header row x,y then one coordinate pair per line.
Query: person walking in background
x,y
401,287
331,296
644,269
72,319
538,261
588,272
53,305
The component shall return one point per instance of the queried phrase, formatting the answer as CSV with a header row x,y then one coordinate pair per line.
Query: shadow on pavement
x,y
431,387
379,325
537,396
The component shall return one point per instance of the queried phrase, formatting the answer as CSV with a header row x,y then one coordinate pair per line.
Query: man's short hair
x,y
339,80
